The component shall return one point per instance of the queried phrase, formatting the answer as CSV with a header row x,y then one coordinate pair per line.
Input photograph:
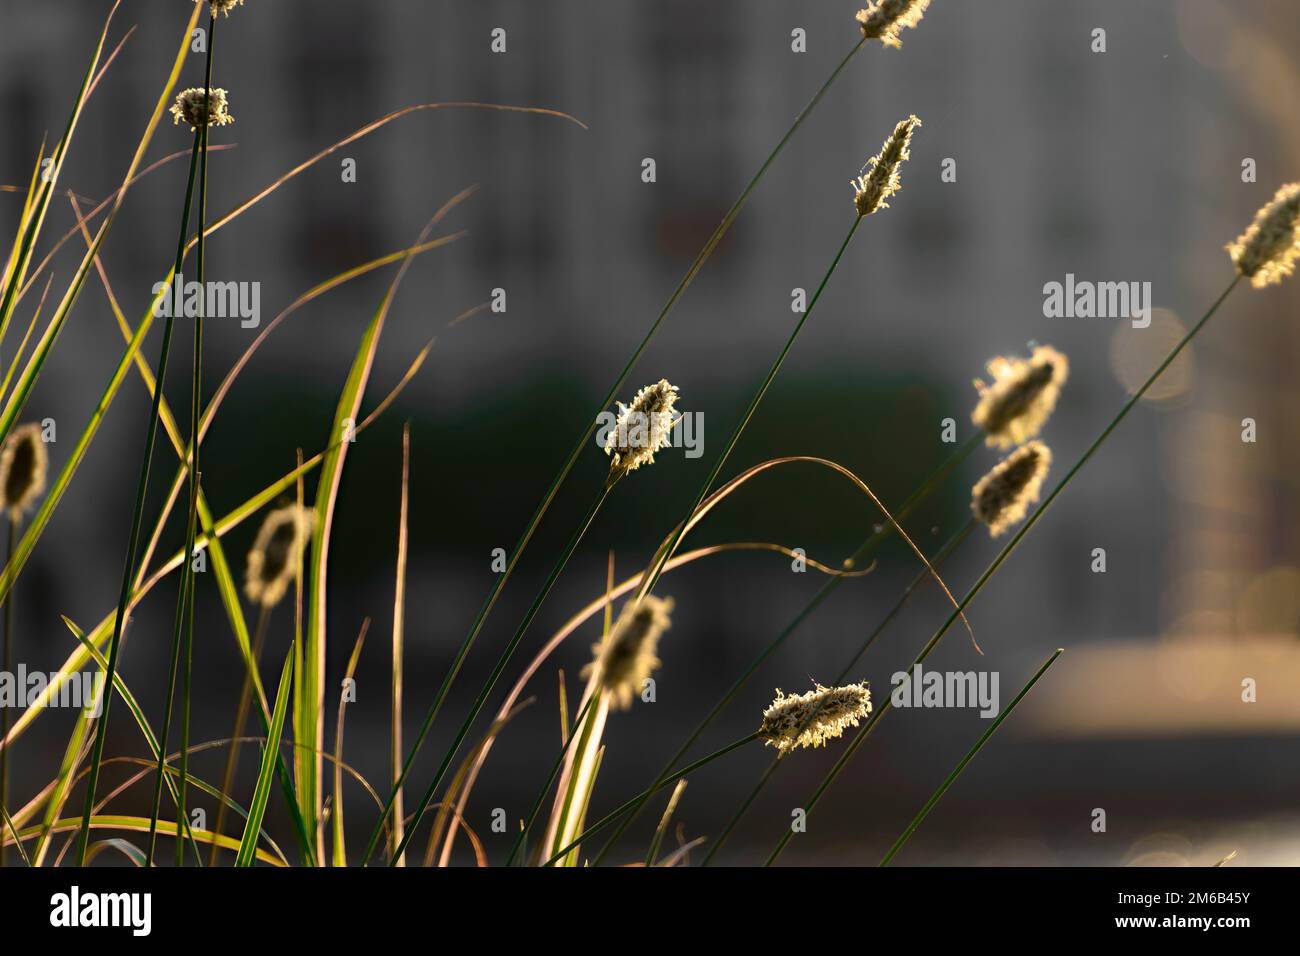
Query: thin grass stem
x,y
196,395
956,772
241,717
183,622
8,669
133,543
550,781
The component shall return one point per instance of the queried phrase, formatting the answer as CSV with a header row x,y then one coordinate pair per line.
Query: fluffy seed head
x,y
222,6
1024,392
811,719
872,189
641,429
189,107
1002,497
626,657
883,19
1266,252
276,552
23,465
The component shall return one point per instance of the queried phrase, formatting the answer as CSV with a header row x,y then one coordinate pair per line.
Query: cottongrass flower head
x,y
626,657
276,552
222,6
872,189
883,19
1024,392
809,720
641,429
1002,497
189,106
23,466
1266,252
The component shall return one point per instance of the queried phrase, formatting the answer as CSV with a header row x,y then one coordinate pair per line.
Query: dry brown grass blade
x,y
564,708
680,854
336,815
90,90
716,498
399,610
445,808
103,204
666,820
365,131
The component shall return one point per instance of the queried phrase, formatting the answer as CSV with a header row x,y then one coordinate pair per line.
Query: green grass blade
x,y
133,706
309,689
262,792
189,581
72,755
7,827
141,825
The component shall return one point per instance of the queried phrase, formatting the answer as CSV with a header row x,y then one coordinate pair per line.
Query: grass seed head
x,y
883,19
189,107
276,551
24,463
872,189
811,719
626,657
1022,397
222,6
641,429
1002,497
1266,252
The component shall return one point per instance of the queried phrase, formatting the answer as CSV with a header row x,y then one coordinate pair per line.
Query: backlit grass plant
x,y
290,554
